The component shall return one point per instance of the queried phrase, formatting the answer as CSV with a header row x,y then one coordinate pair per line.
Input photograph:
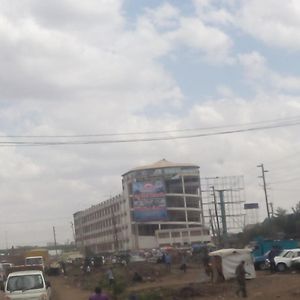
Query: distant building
x,y
160,205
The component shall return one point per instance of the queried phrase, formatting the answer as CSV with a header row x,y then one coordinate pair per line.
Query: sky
x,y
73,68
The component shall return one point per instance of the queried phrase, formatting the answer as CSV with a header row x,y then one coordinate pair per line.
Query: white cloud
x,y
165,17
259,74
76,67
189,32
275,22
209,40
211,12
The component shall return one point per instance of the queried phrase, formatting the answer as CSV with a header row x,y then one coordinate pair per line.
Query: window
x,y
195,233
175,234
175,201
25,282
192,202
147,230
289,254
193,216
174,186
163,235
176,215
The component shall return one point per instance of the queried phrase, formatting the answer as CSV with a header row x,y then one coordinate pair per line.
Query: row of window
x,y
116,220
105,233
105,211
178,234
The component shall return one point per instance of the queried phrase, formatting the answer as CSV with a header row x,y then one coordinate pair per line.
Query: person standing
x,y
240,273
98,295
205,257
88,270
63,268
183,263
271,257
168,261
110,277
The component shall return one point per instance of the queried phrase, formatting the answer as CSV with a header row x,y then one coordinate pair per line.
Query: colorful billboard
x,y
149,201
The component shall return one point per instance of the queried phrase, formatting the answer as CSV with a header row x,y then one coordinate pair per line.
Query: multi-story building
x,y
103,227
160,205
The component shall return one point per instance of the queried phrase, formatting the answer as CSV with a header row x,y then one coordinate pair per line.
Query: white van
x,y
25,285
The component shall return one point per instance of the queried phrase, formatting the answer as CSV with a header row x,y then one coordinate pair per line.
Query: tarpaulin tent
x,y
225,261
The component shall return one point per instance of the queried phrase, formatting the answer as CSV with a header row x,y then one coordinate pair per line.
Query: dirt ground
x,y
265,286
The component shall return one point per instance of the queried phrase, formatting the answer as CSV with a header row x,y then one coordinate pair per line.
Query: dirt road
x,y
62,291
265,286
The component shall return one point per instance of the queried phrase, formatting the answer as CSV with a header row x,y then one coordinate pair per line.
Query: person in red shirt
x,y
98,295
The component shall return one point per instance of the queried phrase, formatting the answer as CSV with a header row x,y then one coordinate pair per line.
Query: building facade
x,y
103,227
160,205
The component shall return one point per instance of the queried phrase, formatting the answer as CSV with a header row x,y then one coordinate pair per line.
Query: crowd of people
x,y
167,260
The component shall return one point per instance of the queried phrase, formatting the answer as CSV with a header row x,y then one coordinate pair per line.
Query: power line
x,y
294,119
134,140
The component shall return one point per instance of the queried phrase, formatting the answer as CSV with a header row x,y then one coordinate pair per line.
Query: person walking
x,y
240,273
98,295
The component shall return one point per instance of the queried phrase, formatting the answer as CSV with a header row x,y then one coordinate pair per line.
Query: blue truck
x,y
261,248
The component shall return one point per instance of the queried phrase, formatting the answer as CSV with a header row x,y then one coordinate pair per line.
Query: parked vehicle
x,y
262,262
261,248
37,257
29,284
285,261
35,261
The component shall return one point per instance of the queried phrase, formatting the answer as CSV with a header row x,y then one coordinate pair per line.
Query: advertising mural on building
x,y
149,201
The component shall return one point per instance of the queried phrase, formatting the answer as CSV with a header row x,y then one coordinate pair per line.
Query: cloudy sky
x,y
74,67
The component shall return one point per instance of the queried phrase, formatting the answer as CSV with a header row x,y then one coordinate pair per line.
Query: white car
x,y
24,285
285,261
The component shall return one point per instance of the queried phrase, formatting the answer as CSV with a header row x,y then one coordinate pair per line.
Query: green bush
x,y
153,295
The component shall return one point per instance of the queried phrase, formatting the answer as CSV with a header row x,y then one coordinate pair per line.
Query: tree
x,y
280,212
296,208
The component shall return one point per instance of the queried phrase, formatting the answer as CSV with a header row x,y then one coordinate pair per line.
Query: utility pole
x,y
212,224
216,213
263,171
73,232
54,235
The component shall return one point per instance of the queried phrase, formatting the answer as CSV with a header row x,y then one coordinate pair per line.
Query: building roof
x,y
162,164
